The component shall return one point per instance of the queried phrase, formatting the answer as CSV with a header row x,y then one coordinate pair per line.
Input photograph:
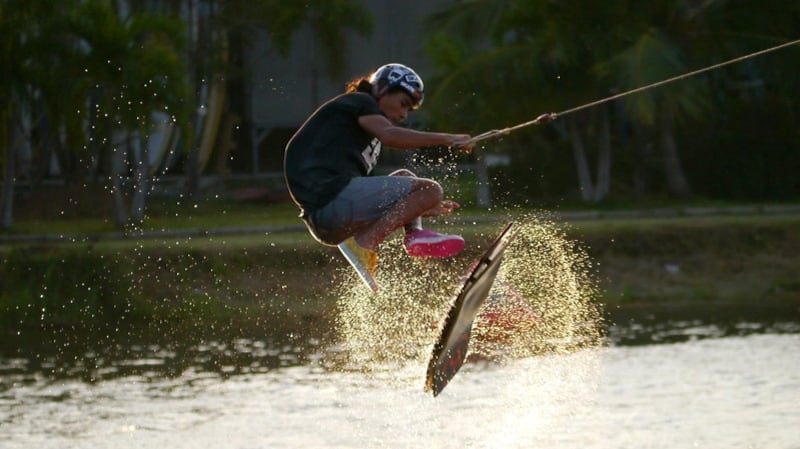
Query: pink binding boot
x,y
425,243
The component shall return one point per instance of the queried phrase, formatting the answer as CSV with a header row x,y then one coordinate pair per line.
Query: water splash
x,y
546,272
544,302
397,323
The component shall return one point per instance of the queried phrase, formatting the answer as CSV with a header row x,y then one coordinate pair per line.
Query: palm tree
x,y
677,37
82,57
534,57
653,57
12,51
134,67
123,63
38,61
230,24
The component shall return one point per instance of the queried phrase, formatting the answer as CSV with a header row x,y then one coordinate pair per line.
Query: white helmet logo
x,y
395,75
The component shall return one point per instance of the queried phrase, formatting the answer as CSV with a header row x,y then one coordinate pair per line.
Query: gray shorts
x,y
363,200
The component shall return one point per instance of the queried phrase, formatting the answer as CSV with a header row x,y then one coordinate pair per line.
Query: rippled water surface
x,y
668,378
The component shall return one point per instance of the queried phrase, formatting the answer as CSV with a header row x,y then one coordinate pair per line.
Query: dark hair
x,y
359,85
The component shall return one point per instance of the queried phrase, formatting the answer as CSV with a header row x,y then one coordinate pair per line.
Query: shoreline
x,y
232,276
567,217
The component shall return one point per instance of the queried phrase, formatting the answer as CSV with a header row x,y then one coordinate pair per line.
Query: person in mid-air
x,y
328,165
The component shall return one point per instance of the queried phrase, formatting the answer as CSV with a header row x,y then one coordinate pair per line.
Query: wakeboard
x,y
450,350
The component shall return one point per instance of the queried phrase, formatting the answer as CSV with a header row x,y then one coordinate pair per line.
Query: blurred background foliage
x,y
89,71
726,134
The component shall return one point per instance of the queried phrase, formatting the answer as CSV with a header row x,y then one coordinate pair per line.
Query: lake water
x,y
669,377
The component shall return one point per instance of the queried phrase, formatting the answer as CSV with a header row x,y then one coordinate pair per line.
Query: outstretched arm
x,y
404,138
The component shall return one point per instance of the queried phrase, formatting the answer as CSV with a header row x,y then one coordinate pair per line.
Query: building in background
x,y
279,94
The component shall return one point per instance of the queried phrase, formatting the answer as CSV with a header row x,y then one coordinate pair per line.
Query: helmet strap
x,y
380,91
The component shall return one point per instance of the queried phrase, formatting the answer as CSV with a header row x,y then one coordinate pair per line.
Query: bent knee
x,y
432,189
403,172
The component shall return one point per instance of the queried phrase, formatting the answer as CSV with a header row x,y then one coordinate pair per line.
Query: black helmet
x,y
398,75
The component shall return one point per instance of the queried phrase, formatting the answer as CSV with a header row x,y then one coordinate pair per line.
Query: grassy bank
x,y
200,276
752,258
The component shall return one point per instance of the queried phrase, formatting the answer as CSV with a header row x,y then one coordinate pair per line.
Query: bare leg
x,y
425,196
445,207
416,223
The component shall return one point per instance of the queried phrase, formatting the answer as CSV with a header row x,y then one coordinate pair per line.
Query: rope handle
x,y
540,120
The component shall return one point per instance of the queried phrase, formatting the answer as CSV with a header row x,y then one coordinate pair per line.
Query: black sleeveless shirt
x,y
330,149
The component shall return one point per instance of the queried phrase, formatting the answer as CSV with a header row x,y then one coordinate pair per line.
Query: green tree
x,y
39,60
675,37
653,57
536,56
91,70
78,56
133,66
750,148
12,49
221,33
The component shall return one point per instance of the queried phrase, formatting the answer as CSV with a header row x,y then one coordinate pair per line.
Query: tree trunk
x,y
602,187
118,171
484,196
641,169
7,193
581,161
199,48
7,190
193,156
676,179
141,179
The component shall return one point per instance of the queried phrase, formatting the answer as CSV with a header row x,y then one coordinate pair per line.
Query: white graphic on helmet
x,y
403,78
395,75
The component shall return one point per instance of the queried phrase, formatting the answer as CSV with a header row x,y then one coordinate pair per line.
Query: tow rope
x,y
548,117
